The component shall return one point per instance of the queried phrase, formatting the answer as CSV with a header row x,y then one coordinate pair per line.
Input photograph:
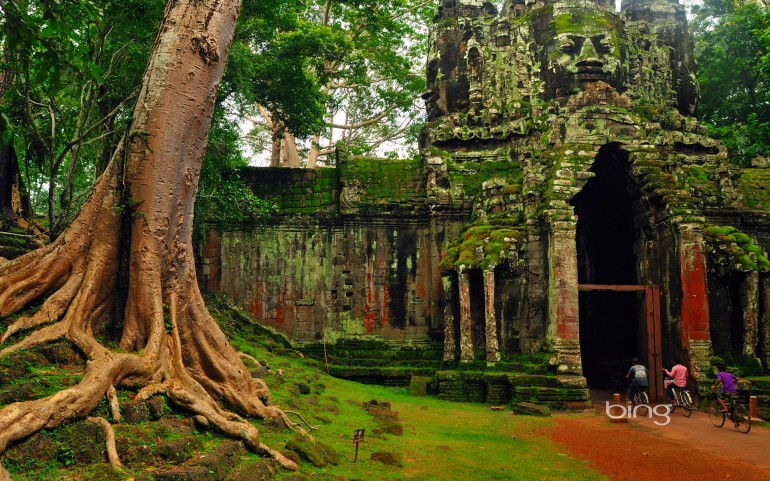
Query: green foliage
x,y
73,67
745,140
365,62
222,194
732,44
285,77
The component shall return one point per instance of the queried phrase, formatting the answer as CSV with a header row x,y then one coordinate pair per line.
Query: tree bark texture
x,y
141,210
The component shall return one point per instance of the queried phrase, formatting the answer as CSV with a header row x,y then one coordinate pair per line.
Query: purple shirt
x,y
728,381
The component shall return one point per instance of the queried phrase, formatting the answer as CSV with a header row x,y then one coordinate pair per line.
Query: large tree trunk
x,y
141,210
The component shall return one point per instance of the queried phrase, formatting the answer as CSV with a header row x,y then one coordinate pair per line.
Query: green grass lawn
x,y
441,440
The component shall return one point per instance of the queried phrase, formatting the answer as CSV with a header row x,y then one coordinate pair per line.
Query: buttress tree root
x,y
125,265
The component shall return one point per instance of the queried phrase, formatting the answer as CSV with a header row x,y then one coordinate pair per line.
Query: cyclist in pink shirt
x,y
678,373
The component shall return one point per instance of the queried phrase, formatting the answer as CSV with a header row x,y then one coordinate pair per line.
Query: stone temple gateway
x,y
566,201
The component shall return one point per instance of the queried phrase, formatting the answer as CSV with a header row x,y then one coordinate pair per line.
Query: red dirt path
x,y
685,449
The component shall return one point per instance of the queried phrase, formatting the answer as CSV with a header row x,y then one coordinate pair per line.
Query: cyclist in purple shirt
x,y
726,380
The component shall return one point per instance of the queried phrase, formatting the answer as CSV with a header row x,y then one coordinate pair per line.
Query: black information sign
x,y
358,436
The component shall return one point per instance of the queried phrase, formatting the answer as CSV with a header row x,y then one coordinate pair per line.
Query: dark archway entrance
x,y
613,321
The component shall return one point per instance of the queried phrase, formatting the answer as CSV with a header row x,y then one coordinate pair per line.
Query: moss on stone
x,y
482,246
733,248
754,185
472,175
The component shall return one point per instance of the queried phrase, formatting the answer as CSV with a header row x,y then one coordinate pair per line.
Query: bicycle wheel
x,y
716,413
741,418
641,403
686,403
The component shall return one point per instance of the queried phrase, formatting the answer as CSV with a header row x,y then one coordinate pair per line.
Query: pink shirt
x,y
679,373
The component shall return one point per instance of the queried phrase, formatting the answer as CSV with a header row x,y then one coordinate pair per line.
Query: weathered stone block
x,y
418,385
530,409
388,458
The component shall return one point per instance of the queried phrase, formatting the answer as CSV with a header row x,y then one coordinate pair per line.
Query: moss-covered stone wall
x,y
331,279
296,191
381,186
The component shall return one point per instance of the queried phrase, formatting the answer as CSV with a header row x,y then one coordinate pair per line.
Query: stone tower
x,y
583,121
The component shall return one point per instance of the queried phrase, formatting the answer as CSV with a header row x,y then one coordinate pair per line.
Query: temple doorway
x,y
617,312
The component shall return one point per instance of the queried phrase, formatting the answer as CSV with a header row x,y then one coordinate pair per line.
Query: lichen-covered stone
x,y
316,454
530,409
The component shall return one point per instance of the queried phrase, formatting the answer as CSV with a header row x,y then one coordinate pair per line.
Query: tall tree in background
x,y
75,66
9,165
136,228
363,60
732,44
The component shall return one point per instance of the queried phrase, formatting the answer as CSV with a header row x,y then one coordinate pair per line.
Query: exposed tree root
x,y
53,307
285,462
112,451
112,401
243,355
41,336
313,428
193,378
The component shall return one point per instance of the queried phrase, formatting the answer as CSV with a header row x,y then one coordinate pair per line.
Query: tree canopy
x,y
732,42
357,64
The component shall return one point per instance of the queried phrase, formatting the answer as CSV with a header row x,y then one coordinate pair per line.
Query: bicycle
x,y
642,400
738,413
682,399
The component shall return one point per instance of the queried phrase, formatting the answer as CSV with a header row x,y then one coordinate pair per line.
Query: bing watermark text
x,y
619,411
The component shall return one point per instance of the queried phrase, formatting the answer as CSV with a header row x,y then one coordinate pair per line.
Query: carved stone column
x,y
493,349
466,333
450,349
564,329
765,322
695,335
750,301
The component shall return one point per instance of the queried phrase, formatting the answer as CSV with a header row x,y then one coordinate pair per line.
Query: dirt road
x,y
685,448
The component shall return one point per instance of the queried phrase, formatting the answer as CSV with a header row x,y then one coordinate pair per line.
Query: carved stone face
x,y
578,48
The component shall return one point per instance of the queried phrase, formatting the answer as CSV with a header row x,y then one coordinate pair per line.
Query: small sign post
x,y
358,437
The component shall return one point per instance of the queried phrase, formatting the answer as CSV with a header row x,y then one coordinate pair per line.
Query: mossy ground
x,y
440,441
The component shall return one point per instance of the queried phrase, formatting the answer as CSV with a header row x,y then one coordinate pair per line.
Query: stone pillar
x,y
466,333
493,349
450,349
695,336
764,284
563,322
750,301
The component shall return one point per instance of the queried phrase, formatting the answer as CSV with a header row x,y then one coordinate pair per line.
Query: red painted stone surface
x,y
695,313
